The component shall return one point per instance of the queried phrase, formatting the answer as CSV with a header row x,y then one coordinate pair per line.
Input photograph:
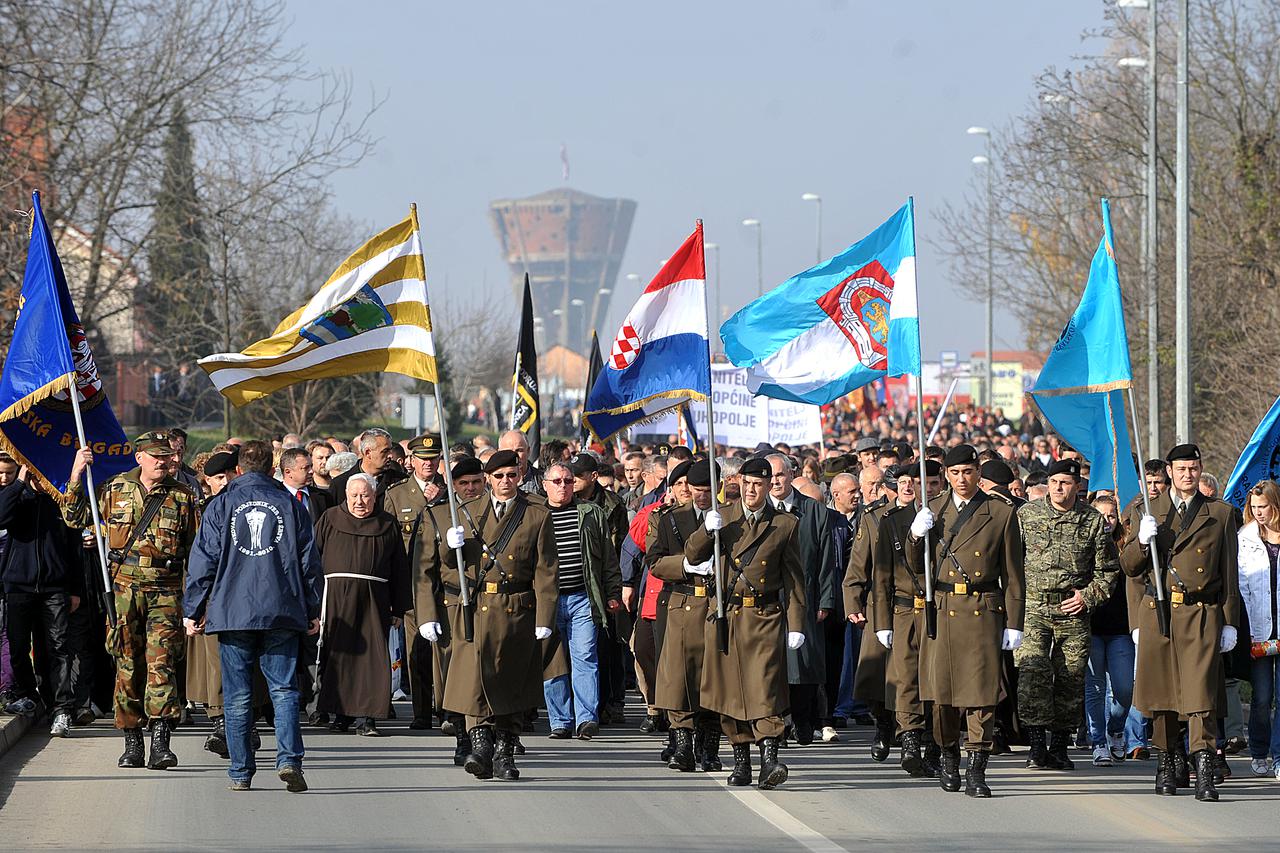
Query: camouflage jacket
x,y
158,555
1066,551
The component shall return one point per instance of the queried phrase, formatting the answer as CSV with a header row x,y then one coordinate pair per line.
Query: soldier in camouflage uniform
x,y
1071,568
146,572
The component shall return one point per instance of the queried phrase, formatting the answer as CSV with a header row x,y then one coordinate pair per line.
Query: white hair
x,y
340,463
368,479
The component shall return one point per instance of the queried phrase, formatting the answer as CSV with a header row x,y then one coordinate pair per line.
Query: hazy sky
x,y
719,110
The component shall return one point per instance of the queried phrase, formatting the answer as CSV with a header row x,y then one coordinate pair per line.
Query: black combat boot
x,y
949,775
133,755
1165,785
1181,766
1221,769
741,774
682,758
932,757
710,761
216,742
1038,757
480,762
1057,758
883,740
1206,790
161,758
699,745
504,758
975,776
911,760
463,747
670,749
772,771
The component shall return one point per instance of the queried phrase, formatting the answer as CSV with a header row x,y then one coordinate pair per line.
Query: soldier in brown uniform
x,y
405,502
1182,674
679,679
508,549
976,554
765,607
898,618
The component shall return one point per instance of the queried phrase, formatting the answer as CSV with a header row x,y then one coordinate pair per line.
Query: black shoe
x,y
255,740
649,724
1000,742
1181,767
911,760
1038,757
161,757
670,749
133,755
741,775
710,760
519,745
419,724
463,747
291,776
1057,758
864,719
804,734
560,734
1165,784
1221,769
932,757
682,758
949,775
504,760
772,771
216,742
975,776
587,730
319,719
615,713
368,728
449,728
480,762
1206,790
839,722
880,744
341,724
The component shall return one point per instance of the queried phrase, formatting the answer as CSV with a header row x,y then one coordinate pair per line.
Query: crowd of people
x,y
771,596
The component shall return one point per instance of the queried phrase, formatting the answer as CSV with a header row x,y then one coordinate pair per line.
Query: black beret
x,y
1183,451
465,467
502,459
1065,466
961,454
680,470
764,447
222,462
931,466
583,463
700,473
757,467
904,450
997,472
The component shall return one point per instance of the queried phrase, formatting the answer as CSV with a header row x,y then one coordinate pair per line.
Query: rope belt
x,y
324,602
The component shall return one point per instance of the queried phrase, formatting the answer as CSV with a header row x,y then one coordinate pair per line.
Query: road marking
x,y
801,832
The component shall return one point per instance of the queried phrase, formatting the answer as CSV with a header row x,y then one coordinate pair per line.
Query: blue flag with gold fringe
x,y
49,349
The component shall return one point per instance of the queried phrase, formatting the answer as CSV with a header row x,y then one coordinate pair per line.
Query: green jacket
x,y
599,559
1066,551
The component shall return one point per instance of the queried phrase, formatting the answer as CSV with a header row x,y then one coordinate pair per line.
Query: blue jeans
x,y
1111,665
276,654
1264,709
577,627
846,705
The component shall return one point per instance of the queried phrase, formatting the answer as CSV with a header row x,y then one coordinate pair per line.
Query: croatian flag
x,y
660,358
837,326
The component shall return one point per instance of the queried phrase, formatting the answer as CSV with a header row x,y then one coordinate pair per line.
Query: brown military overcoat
x,y
678,684
896,592
859,597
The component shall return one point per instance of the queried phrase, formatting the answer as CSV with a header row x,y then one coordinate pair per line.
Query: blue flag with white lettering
x,y
1259,461
48,350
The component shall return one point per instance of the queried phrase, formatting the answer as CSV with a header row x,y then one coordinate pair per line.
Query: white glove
x,y
1135,636
455,536
712,520
885,638
430,631
541,633
1228,641
1012,639
794,640
923,523
703,569
1147,529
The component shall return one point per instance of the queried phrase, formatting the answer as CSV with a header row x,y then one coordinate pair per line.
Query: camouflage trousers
x,y
148,642
1051,668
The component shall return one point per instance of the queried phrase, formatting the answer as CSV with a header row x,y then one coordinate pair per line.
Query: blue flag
x,y
1081,388
1259,461
49,348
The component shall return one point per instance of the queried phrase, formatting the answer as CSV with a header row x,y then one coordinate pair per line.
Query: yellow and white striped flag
x,y
371,316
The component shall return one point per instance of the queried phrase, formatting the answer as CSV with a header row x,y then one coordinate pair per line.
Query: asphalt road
x,y
401,792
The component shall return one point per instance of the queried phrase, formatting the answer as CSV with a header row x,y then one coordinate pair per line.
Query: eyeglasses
x,y
511,475
559,481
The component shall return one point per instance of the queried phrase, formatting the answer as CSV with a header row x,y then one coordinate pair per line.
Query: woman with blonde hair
x,y
1259,547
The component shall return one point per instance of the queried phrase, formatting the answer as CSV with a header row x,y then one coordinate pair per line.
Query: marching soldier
x,y
656,547
898,617
1071,568
762,576
150,521
976,553
1181,675
508,549
406,502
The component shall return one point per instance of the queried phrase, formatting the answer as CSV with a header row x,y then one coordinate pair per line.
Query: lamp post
x,y
755,223
1182,242
982,160
715,322
817,200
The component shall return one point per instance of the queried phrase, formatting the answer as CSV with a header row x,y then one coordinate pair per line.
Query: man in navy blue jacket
x,y
254,580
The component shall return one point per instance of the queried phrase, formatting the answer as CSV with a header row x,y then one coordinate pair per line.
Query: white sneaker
x,y
1260,767
1116,744
1101,756
1277,772
829,735
61,724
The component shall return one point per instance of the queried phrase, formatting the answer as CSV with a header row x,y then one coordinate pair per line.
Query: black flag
x,y
594,362
525,413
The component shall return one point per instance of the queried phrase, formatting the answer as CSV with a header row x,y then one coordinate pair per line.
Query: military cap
x,y
700,473
1183,451
961,454
582,464
866,444
756,467
502,459
155,443
932,468
997,472
680,470
904,450
663,449
764,448
1065,466
465,467
222,462
426,446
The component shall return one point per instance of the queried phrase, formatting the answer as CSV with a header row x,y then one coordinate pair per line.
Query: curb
x,y
11,731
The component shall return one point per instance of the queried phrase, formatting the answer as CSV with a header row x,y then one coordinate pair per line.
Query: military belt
x,y
150,562
1056,597
916,603
696,590
1179,597
967,588
506,587
449,589
757,599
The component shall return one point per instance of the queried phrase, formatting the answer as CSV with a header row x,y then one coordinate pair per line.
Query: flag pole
x,y
91,489
930,607
722,624
515,390
464,590
946,401
1162,602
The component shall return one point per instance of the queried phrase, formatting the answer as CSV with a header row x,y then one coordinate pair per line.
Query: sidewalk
x,y
11,730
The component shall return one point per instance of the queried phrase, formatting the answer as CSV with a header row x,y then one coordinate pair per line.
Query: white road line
x,y
801,832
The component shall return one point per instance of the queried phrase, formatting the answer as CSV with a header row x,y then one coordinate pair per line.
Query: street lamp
x,y
1131,62
715,247
986,161
817,200
1182,235
755,223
